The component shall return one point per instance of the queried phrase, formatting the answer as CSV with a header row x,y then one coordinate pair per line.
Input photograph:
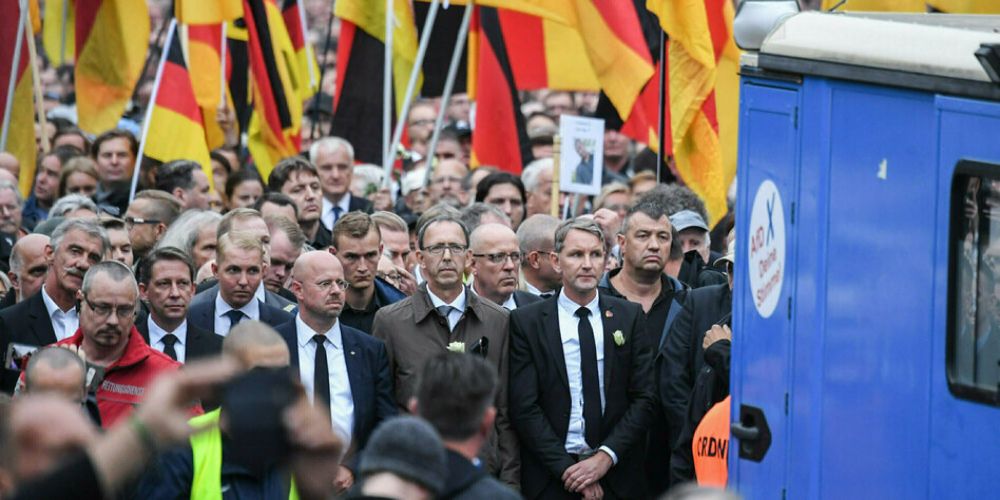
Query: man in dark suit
x,y
51,314
581,395
496,257
166,285
239,267
334,160
28,268
345,371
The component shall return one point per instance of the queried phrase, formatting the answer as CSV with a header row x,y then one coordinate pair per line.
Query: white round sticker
x,y
766,248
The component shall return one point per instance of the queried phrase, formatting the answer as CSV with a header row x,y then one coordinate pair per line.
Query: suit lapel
x,y
550,332
359,391
42,324
610,322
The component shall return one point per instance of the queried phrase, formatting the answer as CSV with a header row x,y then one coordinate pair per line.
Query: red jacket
x,y
126,380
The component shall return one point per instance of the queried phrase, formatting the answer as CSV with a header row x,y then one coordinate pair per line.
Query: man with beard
x,y
166,284
51,315
299,180
108,338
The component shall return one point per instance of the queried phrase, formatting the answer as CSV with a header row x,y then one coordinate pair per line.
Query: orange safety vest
x,y
710,447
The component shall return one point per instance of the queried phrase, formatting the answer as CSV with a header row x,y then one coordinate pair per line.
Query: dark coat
x,y
208,294
711,387
26,322
368,374
202,316
467,482
323,235
385,294
540,397
682,355
200,343
522,298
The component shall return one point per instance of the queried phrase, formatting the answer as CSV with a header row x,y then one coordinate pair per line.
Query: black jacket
x,y
682,354
200,343
28,323
323,235
202,315
522,298
540,399
467,482
711,387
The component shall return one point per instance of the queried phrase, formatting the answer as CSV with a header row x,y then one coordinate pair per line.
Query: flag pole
x,y
556,148
661,119
62,39
387,86
314,109
449,86
309,53
397,134
222,65
12,84
149,109
36,82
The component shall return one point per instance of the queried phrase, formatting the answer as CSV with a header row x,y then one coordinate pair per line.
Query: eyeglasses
x,y
326,284
500,258
454,248
103,310
132,221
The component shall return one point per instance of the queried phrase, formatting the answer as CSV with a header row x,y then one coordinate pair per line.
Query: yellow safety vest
x,y
206,454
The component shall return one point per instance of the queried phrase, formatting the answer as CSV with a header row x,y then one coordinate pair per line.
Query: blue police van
x,y
867,293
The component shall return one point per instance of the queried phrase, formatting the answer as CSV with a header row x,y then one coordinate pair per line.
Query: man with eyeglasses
x,y
51,314
109,340
344,371
442,315
446,184
147,219
357,243
496,257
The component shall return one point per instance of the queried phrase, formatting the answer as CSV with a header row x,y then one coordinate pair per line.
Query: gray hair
x,y
389,221
58,358
90,227
72,202
17,192
441,218
331,144
676,198
371,174
535,233
531,173
115,270
587,225
650,207
472,215
183,233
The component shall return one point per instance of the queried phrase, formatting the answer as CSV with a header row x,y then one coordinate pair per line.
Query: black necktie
x,y
321,378
234,315
591,383
168,345
546,295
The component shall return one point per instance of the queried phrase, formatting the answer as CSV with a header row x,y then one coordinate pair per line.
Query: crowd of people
x,y
326,332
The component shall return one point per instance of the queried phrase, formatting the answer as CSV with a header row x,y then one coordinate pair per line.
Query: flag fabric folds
x,y
16,97
207,11
500,137
174,129
546,53
58,32
305,60
112,37
700,33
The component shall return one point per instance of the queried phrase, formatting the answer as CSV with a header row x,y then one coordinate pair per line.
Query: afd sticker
x,y
767,248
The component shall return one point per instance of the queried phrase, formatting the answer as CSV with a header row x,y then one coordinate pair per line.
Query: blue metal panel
x,y
768,151
878,310
964,435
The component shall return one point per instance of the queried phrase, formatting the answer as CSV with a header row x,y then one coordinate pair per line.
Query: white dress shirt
x,y
528,287
156,335
64,323
341,399
327,217
457,306
259,294
569,323
222,323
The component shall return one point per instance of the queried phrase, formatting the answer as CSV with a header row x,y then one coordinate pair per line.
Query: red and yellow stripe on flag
x,y
174,129
204,56
207,11
277,116
501,138
546,54
700,34
308,69
15,68
112,37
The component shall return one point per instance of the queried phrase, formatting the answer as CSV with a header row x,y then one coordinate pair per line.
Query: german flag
x,y
207,11
277,117
204,50
295,23
500,137
238,72
58,32
112,38
358,106
174,129
700,37
15,67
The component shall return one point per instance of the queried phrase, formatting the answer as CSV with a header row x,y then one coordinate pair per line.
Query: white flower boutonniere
x,y
619,338
457,347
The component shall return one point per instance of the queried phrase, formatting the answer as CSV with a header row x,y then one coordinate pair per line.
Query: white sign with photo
x,y
581,155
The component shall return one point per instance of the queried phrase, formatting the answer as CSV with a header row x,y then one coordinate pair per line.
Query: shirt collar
x,y
508,304
156,333
344,204
51,306
531,289
260,293
305,333
569,306
458,303
251,309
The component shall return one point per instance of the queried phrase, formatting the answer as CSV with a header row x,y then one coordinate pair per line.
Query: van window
x,y
974,283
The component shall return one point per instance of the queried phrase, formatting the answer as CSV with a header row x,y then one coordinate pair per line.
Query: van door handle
x,y
753,432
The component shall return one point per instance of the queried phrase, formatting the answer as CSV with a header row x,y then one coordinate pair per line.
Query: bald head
x,y
9,163
27,265
495,261
319,286
310,263
59,371
255,344
485,237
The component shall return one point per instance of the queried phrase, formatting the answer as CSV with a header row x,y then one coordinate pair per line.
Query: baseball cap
x,y
686,219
